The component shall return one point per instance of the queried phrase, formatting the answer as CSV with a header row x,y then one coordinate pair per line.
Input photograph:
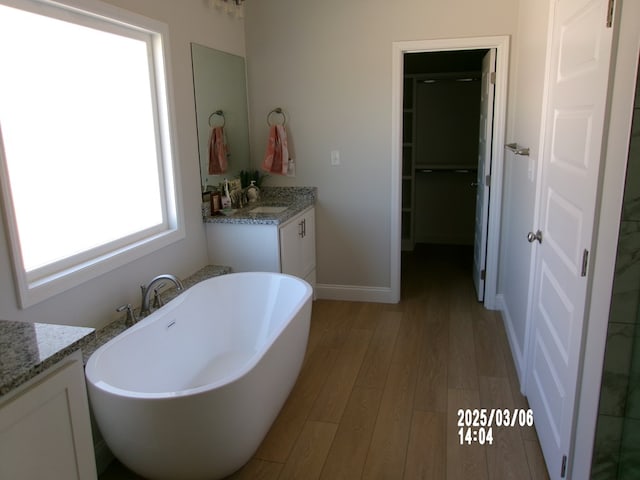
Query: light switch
x,y
335,157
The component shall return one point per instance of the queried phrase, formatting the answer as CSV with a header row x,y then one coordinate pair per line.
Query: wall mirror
x,y
219,84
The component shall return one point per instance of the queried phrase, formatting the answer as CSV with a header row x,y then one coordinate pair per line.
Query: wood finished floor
x,y
378,394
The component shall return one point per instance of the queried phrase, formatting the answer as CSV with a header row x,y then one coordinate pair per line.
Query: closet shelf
x,y
444,167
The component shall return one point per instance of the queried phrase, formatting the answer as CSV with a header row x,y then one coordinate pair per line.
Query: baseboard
x,y
516,352
353,293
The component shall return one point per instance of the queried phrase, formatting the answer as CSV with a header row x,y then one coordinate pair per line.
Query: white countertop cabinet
x,y
45,430
288,247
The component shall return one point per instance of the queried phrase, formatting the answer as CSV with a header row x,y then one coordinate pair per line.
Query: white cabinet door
x,y
44,429
308,243
290,235
297,245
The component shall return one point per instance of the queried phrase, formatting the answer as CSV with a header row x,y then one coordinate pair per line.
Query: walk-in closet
x,y
441,124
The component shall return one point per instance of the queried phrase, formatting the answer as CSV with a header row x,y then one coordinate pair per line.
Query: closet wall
x,y
441,125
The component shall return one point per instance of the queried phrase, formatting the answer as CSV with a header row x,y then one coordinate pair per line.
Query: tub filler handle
x,y
157,299
131,315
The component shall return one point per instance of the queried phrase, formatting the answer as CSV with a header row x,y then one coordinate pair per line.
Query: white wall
x,y
92,304
525,111
328,65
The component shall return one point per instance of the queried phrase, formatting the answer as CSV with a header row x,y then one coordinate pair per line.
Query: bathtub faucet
x,y
149,288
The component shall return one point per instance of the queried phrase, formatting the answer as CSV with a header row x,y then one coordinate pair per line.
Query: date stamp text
x,y
476,424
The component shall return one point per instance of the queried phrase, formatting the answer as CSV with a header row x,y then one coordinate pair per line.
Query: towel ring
x,y
220,113
279,111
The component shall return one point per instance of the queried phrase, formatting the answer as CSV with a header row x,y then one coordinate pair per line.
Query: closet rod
x,y
445,170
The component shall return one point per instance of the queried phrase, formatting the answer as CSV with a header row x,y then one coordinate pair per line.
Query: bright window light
x,y
82,139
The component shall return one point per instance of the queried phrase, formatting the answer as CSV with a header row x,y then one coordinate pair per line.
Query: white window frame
x,y
33,288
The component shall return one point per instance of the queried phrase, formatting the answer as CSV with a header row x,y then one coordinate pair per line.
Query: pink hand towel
x,y
217,151
276,159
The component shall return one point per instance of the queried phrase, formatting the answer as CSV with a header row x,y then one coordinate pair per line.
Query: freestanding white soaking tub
x,y
191,390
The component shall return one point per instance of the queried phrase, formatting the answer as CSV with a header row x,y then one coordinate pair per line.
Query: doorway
x,y
442,48
446,152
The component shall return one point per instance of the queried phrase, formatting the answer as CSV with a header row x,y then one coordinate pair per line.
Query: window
x,y
85,147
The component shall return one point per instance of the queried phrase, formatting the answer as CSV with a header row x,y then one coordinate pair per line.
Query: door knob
x,y
532,237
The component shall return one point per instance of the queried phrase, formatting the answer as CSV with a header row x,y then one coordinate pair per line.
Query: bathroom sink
x,y
268,209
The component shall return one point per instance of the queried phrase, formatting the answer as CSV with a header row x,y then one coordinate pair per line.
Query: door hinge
x,y
483,274
563,469
487,180
492,78
610,11
585,263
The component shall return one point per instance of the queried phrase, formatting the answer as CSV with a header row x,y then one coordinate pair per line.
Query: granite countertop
x,y
26,349
296,199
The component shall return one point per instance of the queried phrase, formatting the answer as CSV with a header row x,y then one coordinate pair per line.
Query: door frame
x,y
399,49
612,181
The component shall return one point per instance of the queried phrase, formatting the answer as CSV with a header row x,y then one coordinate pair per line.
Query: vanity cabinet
x,y
289,247
45,430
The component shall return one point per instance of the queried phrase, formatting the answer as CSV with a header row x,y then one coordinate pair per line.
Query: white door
x,y
484,169
576,90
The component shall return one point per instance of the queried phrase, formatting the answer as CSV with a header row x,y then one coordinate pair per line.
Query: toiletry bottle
x,y
216,201
253,192
226,197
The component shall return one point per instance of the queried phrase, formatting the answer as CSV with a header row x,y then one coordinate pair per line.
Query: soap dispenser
x,y
226,196
253,192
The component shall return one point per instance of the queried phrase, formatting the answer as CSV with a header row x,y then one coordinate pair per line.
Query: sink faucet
x,y
149,288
